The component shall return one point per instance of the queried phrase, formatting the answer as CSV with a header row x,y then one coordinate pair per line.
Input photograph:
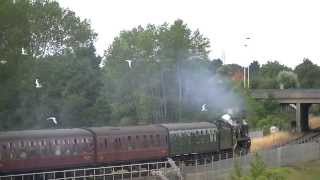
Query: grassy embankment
x,y
305,171
266,142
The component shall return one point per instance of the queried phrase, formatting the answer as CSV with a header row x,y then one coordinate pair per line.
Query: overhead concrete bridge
x,y
302,98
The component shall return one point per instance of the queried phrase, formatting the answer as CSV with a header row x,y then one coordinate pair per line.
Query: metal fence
x,y
256,134
132,171
282,156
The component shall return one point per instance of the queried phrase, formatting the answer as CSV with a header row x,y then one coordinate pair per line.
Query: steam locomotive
x,y
35,150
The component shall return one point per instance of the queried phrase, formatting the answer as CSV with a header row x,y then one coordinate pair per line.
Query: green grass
x,y
305,171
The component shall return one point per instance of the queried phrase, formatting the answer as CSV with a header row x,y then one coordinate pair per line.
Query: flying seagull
x,y
204,107
102,63
23,52
248,38
129,63
3,62
53,119
38,85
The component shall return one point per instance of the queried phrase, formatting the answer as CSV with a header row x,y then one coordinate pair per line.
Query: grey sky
x,y
283,30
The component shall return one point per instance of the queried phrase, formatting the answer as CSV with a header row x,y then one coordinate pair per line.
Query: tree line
x,y
149,74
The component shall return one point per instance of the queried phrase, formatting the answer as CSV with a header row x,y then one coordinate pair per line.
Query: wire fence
x,y
282,156
256,134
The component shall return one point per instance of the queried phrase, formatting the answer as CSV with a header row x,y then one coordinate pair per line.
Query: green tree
x,y
254,68
308,74
267,78
155,86
229,70
259,171
287,79
40,40
237,173
215,64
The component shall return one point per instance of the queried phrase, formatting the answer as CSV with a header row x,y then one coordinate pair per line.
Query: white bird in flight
x,y
53,119
129,63
3,62
38,85
204,107
23,52
102,63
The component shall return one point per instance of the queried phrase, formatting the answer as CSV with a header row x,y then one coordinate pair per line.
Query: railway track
x,y
310,136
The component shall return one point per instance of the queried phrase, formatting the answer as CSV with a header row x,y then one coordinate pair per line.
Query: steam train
x,y
35,150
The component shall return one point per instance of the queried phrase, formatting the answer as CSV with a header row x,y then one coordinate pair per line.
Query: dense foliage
x,y
259,171
49,68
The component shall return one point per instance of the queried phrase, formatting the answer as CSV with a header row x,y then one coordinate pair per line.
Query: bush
x,y
259,171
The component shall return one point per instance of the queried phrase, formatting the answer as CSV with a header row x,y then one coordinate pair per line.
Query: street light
x,y
246,70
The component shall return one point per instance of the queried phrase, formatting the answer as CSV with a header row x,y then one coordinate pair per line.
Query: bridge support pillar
x,y
302,117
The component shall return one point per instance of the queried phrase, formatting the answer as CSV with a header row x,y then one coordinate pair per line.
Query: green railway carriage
x,y
192,138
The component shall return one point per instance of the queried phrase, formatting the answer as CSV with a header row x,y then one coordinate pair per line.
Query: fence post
x,y
319,150
196,164
212,160
279,160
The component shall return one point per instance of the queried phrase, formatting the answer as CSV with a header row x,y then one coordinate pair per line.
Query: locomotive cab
x,y
240,133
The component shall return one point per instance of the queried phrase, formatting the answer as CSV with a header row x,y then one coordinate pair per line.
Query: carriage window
x,y
75,141
137,137
129,138
158,139
105,143
151,139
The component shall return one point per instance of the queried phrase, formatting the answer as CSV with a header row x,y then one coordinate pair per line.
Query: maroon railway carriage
x,y
131,144
45,149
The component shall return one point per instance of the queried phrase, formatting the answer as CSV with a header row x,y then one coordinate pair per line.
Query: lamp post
x,y
246,70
